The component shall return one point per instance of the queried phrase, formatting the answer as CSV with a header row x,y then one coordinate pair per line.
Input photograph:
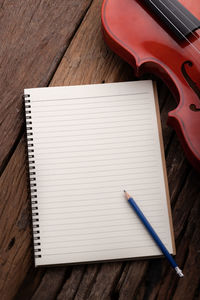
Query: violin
x,y
162,37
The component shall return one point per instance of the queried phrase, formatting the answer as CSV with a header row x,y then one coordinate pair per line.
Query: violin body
x,y
130,30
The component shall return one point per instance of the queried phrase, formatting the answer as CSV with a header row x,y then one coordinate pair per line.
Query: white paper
x,y
90,143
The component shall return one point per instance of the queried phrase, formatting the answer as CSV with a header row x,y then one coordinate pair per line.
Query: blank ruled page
x,y
89,144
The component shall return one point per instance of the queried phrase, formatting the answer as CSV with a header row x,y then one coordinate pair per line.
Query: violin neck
x,y
175,16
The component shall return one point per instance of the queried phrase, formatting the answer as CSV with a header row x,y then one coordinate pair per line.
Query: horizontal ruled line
x,y
147,154
99,238
92,97
89,110
114,209
88,113
88,193
110,121
94,204
102,218
149,163
116,177
95,100
88,172
92,221
124,145
95,118
110,148
116,159
91,156
104,176
117,227
124,164
93,104
100,185
111,127
131,230
100,250
136,138
134,124
96,243
107,136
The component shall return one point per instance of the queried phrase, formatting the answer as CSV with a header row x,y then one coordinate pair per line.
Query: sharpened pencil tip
x,y
126,194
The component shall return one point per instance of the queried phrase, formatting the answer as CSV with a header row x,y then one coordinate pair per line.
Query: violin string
x,y
196,36
183,14
173,23
196,49
192,33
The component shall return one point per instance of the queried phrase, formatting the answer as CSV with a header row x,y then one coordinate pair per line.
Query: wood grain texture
x,y
88,60
16,254
34,35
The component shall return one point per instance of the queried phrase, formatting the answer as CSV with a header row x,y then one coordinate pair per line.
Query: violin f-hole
x,y
193,107
191,83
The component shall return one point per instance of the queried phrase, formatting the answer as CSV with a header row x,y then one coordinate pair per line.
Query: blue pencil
x,y
153,234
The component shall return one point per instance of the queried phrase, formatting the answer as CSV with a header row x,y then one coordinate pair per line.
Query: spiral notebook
x,y
86,144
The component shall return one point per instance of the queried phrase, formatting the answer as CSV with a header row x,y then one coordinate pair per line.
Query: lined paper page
x,y
90,143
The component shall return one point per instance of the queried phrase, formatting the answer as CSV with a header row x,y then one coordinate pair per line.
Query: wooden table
x,y
46,42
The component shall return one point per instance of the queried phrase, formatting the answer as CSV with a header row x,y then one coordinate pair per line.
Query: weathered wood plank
x,y
16,252
34,35
191,241
101,285
52,282
87,60
82,278
131,279
187,231
35,277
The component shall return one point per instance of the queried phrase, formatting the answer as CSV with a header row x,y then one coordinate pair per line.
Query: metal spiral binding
x,y
32,177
